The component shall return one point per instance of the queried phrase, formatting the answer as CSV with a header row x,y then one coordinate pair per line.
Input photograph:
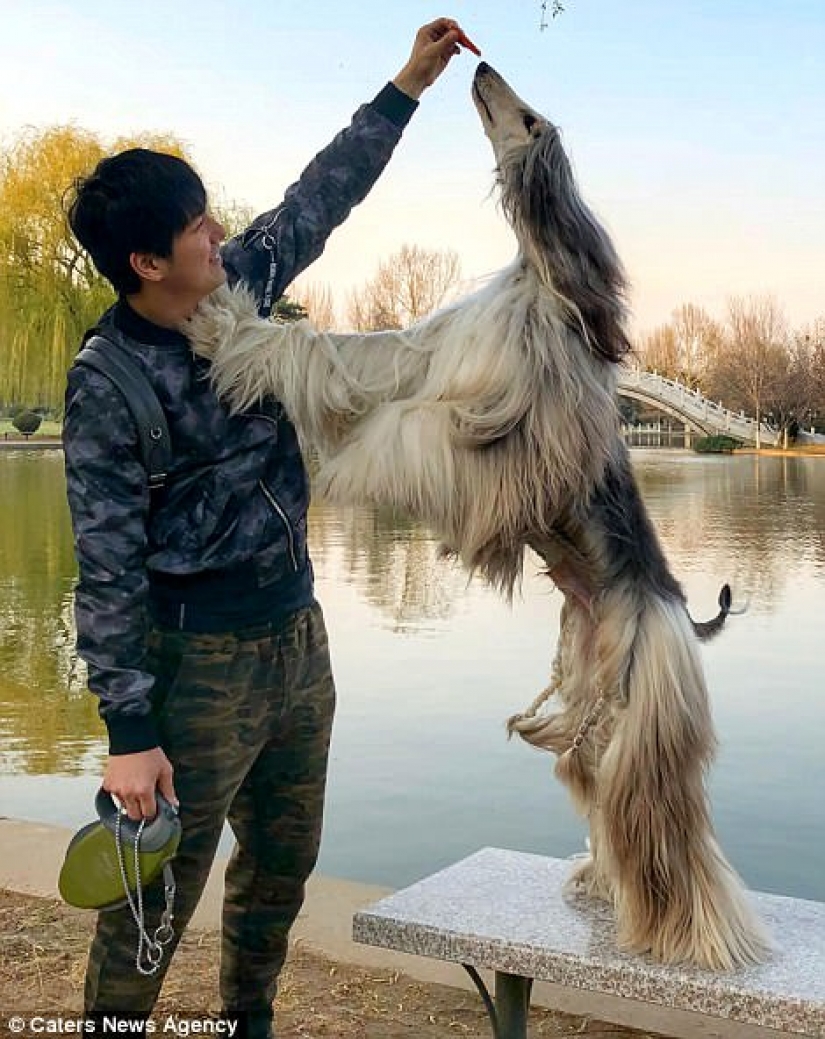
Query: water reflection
x,y
47,719
428,667
394,563
755,522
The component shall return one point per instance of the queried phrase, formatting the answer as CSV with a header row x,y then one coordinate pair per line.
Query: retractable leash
x,y
149,949
102,872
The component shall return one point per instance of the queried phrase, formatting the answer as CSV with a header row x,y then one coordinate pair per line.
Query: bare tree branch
x,y
409,285
318,302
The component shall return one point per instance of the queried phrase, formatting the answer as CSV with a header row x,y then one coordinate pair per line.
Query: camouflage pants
x,y
245,719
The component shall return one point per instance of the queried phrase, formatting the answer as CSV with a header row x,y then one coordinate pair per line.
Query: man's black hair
x,y
136,201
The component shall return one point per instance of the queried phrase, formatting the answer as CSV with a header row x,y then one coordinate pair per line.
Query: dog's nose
x,y
483,68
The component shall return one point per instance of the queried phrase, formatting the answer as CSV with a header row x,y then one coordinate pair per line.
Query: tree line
x,y
50,293
750,360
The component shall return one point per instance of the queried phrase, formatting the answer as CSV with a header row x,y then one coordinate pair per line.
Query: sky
x,y
696,129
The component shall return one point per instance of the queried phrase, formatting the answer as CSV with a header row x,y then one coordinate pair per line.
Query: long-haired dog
x,y
495,422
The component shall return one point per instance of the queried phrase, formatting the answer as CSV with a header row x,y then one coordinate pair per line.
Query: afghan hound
x,y
495,421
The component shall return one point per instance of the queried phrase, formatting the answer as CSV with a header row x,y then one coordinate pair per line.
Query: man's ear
x,y
148,266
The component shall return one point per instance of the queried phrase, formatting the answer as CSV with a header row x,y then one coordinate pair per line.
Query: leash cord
x,y
149,949
268,242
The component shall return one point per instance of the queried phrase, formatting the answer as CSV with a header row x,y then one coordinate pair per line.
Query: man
x,y
195,609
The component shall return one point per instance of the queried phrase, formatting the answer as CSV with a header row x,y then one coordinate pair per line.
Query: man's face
x,y
195,268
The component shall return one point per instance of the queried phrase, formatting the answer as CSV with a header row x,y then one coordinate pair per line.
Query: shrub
x,y
719,444
27,422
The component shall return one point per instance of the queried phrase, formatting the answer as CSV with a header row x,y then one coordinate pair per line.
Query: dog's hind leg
x,y
675,894
590,875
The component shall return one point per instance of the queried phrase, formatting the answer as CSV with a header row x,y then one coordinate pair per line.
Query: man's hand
x,y
133,779
434,45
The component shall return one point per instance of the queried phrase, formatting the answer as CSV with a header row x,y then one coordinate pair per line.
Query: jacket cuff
x,y
393,103
131,733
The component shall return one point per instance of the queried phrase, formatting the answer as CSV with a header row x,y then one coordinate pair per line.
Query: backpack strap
x,y
116,363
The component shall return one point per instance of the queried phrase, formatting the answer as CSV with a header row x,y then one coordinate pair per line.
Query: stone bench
x,y
506,912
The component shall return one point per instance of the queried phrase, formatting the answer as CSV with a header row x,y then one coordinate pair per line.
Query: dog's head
x,y
511,125
557,233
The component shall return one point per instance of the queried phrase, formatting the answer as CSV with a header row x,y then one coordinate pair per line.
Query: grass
x,y
43,947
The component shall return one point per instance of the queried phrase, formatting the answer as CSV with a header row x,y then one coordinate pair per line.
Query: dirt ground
x,y
43,946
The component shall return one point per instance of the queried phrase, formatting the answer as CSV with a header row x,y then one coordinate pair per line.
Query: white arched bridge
x,y
699,414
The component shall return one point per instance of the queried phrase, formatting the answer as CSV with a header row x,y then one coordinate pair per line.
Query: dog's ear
x,y
568,243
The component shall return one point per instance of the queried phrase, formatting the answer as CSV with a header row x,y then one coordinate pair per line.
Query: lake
x,y
429,666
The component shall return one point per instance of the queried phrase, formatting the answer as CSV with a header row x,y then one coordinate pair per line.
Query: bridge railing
x,y
693,405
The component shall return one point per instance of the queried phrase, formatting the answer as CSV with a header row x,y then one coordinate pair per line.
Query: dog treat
x,y
465,41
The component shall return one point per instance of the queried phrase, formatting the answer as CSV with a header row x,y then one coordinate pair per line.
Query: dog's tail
x,y
676,895
705,630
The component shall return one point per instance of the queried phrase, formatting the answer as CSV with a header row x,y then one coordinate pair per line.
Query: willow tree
x,y
49,290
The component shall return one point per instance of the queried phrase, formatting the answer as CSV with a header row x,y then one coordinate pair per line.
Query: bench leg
x,y
508,1014
512,1004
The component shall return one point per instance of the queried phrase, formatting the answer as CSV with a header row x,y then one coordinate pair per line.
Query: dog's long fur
x,y
495,421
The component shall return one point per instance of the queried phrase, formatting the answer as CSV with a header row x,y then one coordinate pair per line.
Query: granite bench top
x,y
507,911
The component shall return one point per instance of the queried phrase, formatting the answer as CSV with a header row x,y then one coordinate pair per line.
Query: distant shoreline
x,y
35,443
30,443
810,451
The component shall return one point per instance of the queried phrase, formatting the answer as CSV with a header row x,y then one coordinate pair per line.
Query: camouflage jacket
x,y
231,522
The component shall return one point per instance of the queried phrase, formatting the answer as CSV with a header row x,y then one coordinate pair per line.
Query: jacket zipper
x,y
270,497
